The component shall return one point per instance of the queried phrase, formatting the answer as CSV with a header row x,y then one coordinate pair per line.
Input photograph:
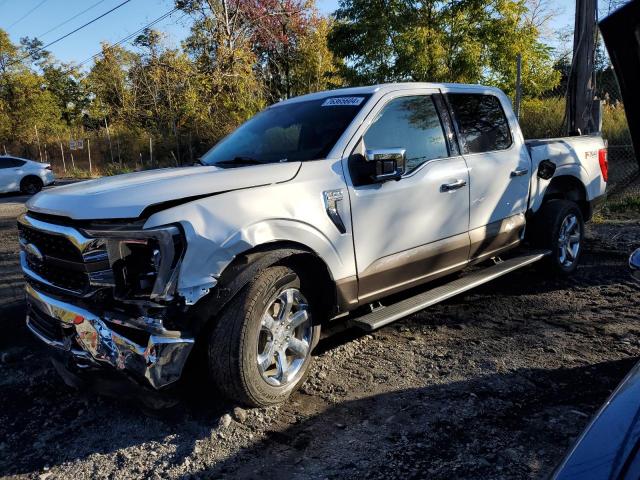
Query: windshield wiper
x,y
240,161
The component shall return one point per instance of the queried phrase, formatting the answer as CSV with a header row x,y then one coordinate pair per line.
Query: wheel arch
x,y
29,176
247,265
568,187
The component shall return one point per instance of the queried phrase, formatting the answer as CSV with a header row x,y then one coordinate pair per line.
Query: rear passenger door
x,y
499,171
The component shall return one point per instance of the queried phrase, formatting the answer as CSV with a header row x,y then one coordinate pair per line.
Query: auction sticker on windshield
x,y
342,101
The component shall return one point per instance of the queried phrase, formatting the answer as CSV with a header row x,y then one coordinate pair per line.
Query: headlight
x,y
145,263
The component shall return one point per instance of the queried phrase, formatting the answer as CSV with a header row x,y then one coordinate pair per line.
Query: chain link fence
x,y
623,165
97,153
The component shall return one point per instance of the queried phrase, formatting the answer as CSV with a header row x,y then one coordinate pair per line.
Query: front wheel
x,y
559,227
260,348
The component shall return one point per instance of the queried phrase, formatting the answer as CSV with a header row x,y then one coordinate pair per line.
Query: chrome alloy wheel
x,y
285,338
569,240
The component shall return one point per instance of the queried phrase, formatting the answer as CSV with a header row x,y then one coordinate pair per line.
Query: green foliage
x,y
614,124
27,108
542,118
629,203
315,68
469,41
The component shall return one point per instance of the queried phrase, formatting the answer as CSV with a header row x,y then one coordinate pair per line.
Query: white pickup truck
x,y
319,209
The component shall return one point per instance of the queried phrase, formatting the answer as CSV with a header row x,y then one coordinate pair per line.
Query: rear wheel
x,y
31,185
260,349
559,227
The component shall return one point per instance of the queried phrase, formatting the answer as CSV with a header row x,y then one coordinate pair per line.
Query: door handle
x,y
520,173
449,187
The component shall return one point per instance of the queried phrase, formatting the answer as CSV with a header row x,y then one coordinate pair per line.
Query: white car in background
x,y
22,175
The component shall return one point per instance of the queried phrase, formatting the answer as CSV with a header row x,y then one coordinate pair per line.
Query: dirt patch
x,y
492,384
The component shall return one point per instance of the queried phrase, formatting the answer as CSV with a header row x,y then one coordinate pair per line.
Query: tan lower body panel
x,y
496,237
347,293
412,267
422,264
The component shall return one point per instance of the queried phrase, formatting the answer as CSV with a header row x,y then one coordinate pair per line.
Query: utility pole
x,y
580,87
518,85
38,140
89,150
109,137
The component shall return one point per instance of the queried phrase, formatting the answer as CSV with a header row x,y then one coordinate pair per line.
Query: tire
x,y
253,328
31,185
559,227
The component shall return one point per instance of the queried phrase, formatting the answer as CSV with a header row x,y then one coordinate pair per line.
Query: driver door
x,y
414,229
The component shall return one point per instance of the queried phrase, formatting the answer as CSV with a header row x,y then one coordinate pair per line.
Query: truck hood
x,y
127,196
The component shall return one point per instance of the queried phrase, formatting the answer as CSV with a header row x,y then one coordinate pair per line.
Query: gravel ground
x,y
489,385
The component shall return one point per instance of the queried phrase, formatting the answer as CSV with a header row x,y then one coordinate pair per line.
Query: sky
x,y
37,17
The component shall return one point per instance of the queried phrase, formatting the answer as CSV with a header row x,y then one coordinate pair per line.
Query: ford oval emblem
x,y
33,251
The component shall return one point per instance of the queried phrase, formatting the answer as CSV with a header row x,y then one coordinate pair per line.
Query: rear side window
x,y
411,123
10,162
481,122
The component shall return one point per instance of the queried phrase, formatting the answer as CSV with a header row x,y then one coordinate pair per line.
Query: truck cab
x,y
316,210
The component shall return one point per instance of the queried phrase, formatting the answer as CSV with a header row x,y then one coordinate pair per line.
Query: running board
x,y
385,315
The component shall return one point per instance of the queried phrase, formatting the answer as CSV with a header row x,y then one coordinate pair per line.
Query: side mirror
x,y
390,163
634,264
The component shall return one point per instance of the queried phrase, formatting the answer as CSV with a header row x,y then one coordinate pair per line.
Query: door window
x,y
10,162
481,122
411,123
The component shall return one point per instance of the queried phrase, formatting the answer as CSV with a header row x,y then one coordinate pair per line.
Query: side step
x,y
385,315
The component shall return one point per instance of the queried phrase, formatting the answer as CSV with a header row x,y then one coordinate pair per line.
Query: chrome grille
x,y
61,258
59,275
51,245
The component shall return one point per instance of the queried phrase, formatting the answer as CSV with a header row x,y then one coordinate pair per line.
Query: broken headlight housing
x,y
145,263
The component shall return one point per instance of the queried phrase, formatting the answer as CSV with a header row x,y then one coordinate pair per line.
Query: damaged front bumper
x,y
155,358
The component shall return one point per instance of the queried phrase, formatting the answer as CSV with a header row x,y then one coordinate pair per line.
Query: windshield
x,y
293,132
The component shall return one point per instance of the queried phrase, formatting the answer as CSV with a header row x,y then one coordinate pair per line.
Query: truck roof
x,y
389,87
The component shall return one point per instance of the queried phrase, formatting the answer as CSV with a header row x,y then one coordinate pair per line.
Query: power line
x,y
26,14
125,39
73,31
70,19
83,26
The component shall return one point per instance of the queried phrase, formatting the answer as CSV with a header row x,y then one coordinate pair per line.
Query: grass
x,y
627,204
618,208
543,117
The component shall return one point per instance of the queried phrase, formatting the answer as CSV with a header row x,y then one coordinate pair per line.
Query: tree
x,y
107,81
26,105
468,41
276,28
365,35
315,67
228,88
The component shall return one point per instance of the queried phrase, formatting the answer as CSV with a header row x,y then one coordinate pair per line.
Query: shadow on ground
x,y
476,428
